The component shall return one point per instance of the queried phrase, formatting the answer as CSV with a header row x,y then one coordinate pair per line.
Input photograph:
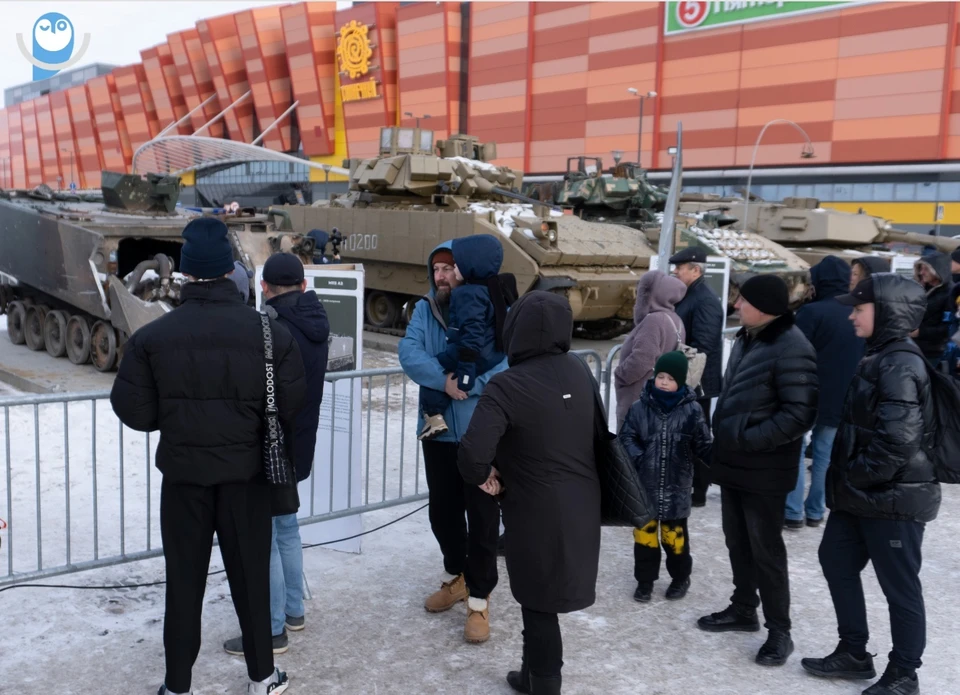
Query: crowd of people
x,y
507,423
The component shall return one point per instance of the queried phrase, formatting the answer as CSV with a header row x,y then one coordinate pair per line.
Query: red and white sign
x,y
691,13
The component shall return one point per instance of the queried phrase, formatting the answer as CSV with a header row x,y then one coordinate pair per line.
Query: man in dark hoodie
x,y
288,302
826,323
933,273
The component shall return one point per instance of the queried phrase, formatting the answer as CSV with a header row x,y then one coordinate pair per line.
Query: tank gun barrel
x,y
942,244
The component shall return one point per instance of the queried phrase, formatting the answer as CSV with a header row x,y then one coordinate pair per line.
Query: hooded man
x,y
321,239
863,267
468,545
284,289
933,273
881,488
199,375
826,324
768,402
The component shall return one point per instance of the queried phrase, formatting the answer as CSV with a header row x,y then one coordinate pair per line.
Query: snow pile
x,y
737,246
504,214
485,166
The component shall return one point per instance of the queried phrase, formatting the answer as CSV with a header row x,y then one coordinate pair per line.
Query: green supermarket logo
x,y
694,15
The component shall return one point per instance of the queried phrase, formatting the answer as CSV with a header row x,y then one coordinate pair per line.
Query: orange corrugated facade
x,y
870,82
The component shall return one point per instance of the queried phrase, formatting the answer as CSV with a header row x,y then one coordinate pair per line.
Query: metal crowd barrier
x,y
81,491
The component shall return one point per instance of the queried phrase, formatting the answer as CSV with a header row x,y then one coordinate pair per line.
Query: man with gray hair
x,y
702,314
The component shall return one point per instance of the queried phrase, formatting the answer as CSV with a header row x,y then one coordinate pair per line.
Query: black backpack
x,y
946,408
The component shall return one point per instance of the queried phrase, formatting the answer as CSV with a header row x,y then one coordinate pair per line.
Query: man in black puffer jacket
x,y
769,401
881,487
933,272
198,375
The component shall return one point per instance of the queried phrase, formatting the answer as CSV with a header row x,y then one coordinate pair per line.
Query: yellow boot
x,y
450,594
477,629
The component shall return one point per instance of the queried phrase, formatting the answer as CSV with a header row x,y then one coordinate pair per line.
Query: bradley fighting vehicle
x,y
87,271
405,201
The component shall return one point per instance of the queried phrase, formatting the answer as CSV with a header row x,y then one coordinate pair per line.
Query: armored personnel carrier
x,y
418,193
89,270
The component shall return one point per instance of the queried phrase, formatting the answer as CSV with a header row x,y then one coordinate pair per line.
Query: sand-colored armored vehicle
x,y
418,193
88,271
813,232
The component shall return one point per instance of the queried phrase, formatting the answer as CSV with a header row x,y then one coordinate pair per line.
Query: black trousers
x,y
542,643
646,550
894,548
240,515
701,473
753,529
465,520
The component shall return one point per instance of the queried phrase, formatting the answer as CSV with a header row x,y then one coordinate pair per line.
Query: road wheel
x,y
55,333
16,316
103,346
382,309
78,339
33,326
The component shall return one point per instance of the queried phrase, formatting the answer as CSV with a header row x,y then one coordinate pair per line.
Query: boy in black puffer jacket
x,y
664,433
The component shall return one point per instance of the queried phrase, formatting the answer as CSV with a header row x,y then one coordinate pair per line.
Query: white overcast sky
x,y
118,30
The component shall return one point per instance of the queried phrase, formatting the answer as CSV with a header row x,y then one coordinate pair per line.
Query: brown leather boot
x,y
450,594
477,629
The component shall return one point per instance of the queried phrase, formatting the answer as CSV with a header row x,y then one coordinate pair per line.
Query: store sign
x,y
354,49
693,15
358,91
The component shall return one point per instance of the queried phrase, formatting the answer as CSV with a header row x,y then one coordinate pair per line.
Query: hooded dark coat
x,y
879,467
872,264
935,326
826,323
663,445
306,319
769,401
656,327
536,419
703,316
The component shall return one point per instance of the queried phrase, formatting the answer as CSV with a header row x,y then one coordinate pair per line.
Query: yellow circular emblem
x,y
354,50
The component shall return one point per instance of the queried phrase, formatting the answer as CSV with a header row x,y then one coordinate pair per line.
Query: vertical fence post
x,y
147,461
403,424
93,463
6,434
66,473
333,436
123,546
36,444
350,449
369,401
386,422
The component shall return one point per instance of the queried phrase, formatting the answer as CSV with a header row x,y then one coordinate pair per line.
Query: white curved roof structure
x,y
178,154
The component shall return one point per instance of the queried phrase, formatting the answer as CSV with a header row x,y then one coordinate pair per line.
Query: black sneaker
x,y
814,523
295,624
841,664
235,646
734,618
644,592
895,681
793,524
677,589
776,649
519,680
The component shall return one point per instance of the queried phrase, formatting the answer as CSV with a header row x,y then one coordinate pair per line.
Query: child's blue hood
x,y
478,256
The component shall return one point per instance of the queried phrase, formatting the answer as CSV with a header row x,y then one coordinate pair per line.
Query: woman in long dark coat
x,y
536,419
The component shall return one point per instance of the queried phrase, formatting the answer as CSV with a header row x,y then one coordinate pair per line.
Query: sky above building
x,y
118,30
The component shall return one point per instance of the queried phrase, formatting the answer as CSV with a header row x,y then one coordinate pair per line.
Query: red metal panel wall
x,y
309,35
5,181
164,87
63,135
261,40
100,96
18,172
221,46
194,75
89,154
31,144
139,116
52,176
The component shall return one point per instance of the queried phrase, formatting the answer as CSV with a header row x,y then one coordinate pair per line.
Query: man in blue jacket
x,y
826,323
468,545
288,302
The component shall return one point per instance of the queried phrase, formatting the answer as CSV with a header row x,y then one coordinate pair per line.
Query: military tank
x,y
80,274
418,193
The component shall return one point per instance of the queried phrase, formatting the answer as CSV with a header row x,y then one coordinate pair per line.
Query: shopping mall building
x,y
871,85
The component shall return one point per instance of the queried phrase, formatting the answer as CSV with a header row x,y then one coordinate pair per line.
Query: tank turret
x,y
152,193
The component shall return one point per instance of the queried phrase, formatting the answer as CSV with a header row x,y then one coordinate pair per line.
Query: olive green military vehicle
x,y
403,203
82,273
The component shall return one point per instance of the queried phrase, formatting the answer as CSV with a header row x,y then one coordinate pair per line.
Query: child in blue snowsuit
x,y
477,312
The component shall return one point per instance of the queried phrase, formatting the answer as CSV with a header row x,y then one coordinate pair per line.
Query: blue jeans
x,y
815,505
286,572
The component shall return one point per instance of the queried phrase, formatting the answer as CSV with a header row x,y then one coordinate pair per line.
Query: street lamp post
x,y
410,115
649,95
805,153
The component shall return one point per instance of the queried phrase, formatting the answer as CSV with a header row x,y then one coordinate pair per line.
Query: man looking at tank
x,y
702,316
468,545
933,273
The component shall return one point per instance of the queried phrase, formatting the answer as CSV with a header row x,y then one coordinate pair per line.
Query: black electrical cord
x,y
209,574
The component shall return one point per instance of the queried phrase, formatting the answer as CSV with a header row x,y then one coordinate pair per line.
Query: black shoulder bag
x,y
623,500
284,498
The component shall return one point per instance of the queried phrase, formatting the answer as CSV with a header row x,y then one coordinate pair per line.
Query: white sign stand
x,y
336,481
902,264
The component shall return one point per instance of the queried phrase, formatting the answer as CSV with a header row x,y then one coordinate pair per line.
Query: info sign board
x,y
336,482
717,276
903,265
693,15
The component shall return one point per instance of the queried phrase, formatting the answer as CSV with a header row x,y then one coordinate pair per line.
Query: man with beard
x,y
465,520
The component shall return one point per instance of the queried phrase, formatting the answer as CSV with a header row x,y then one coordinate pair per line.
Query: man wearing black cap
x,y
768,402
881,488
284,289
702,314
198,374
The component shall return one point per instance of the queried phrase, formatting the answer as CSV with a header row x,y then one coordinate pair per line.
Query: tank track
x,y
399,332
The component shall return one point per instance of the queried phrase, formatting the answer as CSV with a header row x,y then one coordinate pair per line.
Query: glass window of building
x,y
842,192
905,191
767,192
883,191
805,190
927,191
863,191
949,190
823,191
785,191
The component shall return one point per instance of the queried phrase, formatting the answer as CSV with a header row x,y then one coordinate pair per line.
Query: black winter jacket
x,y
197,374
826,323
935,326
304,315
769,401
879,467
702,314
663,446
536,419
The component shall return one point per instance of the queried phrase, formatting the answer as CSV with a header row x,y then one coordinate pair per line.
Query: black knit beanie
x,y
206,252
767,293
673,363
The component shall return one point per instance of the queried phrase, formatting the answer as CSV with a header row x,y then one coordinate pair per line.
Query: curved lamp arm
x,y
753,159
